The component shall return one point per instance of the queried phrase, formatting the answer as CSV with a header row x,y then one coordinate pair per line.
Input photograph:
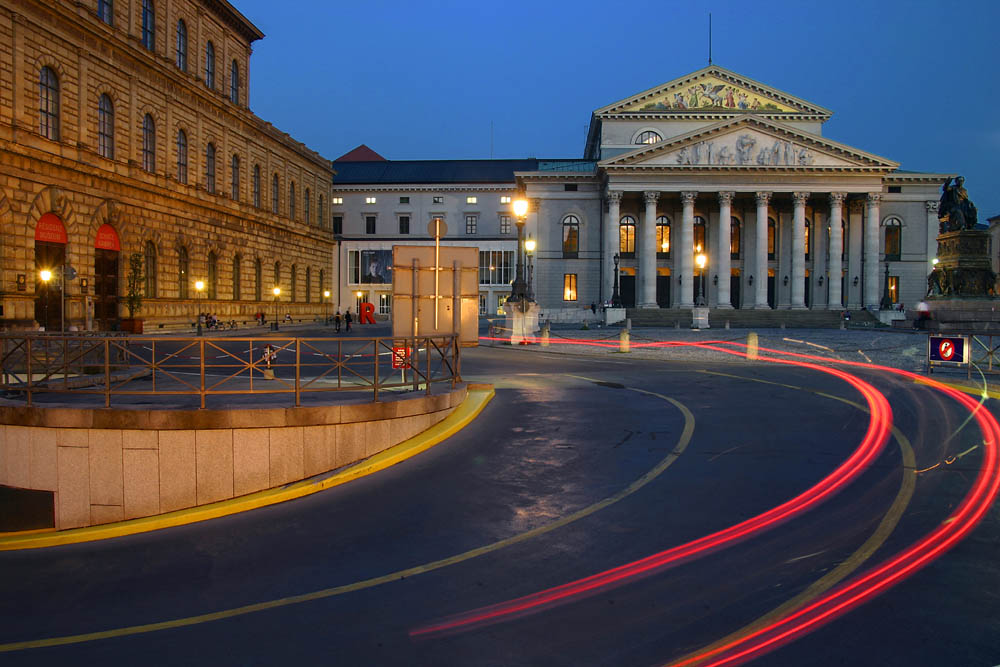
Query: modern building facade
x,y
711,164
125,128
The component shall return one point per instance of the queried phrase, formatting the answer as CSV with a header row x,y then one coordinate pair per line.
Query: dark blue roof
x,y
439,171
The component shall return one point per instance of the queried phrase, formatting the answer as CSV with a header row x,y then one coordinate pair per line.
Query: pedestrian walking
x,y
923,315
348,318
336,322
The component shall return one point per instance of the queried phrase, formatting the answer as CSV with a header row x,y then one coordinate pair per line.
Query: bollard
x,y
623,341
727,324
677,324
752,346
842,325
628,323
545,336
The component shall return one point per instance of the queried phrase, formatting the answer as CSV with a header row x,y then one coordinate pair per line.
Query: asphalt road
x,y
579,466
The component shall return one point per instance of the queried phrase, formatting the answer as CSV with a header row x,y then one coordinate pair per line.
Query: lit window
x,y
106,127
337,200
384,303
438,199
772,240
893,236
496,267
471,200
894,288
471,223
505,224
734,238
182,156
370,200
210,65
626,236
182,46
808,238
148,144
571,236
569,287
648,137
663,236
505,199
700,242
48,104
148,25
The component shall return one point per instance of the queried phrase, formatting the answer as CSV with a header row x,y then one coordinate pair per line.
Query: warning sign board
x,y
948,350
401,357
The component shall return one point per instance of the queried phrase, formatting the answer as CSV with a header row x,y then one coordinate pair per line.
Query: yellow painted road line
x,y
853,562
972,391
461,417
665,463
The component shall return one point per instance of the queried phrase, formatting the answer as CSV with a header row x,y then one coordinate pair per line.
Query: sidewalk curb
x,y
479,395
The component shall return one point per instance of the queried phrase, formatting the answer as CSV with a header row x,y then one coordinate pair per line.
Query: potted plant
x,y
133,293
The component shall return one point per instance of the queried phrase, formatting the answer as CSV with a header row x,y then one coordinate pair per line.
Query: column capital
x,y
726,197
651,196
838,198
688,197
763,198
932,206
800,198
874,198
855,205
614,196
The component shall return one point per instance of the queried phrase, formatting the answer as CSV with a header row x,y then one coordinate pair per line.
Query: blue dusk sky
x,y
915,81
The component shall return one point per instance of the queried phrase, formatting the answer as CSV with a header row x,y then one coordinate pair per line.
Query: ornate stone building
x,y
125,128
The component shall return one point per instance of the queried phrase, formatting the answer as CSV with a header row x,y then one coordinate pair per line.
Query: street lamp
x,y
701,260
517,291
326,295
616,299
529,249
198,287
45,275
277,292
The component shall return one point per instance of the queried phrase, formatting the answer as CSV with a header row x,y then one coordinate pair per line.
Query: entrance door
x,y
663,291
106,289
770,291
626,284
48,295
734,291
808,295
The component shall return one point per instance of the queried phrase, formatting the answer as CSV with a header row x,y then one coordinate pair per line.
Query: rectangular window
x,y
369,224
404,200
894,288
482,303
895,189
569,287
384,303
370,200
505,199
404,224
438,199
354,267
338,224
569,187
496,267
471,222
338,200
471,200
505,224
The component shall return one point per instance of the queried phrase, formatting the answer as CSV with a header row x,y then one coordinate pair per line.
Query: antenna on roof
x,y
710,38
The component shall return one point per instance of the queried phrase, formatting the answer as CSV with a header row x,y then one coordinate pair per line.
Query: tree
x,y
135,282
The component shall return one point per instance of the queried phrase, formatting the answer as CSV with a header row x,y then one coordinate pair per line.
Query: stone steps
x,y
764,319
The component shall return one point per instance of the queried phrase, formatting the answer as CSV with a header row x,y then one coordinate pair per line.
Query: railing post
x,y
107,372
28,348
375,365
427,378
201,370
298,360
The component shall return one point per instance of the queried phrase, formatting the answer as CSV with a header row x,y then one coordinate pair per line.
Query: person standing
x,y
348,319
923,315
336,322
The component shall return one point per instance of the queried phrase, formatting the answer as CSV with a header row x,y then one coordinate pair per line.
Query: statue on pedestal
x,y
955,210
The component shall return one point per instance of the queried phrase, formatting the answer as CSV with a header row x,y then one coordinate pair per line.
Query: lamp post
x,y
701,260
616,299
45,275
517,291
326,295
198,287
277,293
529,249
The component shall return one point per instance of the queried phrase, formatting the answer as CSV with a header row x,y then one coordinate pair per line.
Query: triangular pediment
x,y
750,141
714,90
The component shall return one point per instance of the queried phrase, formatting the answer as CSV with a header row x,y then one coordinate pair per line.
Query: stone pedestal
x,y
521,320
699,318
613,316
964,268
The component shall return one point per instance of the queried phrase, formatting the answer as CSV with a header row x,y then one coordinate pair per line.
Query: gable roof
x,y
708,88
360,154
716,147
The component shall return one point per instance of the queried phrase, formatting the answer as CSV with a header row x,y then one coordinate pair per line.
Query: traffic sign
x,y
401,357
948,350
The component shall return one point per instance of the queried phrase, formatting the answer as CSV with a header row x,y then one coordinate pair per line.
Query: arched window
x,y
626,236
274,195
148,25
700,235
149,251
648,137
213,276
320,213
106,127
210,65
258,279
182,272
844,229
48,104
735,237
893,238
277,274
182,156
256,186
772,238
182,45
663,236
148,144
234,177
236,278
570,236
308,284
106,11
808,238
291,200
234,83
305,208
295,283
210,168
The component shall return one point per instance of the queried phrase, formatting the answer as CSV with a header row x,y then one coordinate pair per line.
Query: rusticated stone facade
x,y
97,110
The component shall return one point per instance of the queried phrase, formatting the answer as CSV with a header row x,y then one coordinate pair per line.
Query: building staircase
x,y
749,319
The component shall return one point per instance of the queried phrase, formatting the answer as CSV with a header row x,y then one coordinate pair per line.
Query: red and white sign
x,y
946,350
49,229
401,357
107,238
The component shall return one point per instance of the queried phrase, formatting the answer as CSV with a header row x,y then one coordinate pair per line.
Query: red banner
x,y
50,229
107,238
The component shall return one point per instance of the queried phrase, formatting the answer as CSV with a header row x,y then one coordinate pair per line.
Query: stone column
x,y
686,249
722,261
799,200
647,253
933,227
760,251
611,241
835,262
872,282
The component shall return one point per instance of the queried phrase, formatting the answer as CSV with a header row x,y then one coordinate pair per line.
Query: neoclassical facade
x,y
125,129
